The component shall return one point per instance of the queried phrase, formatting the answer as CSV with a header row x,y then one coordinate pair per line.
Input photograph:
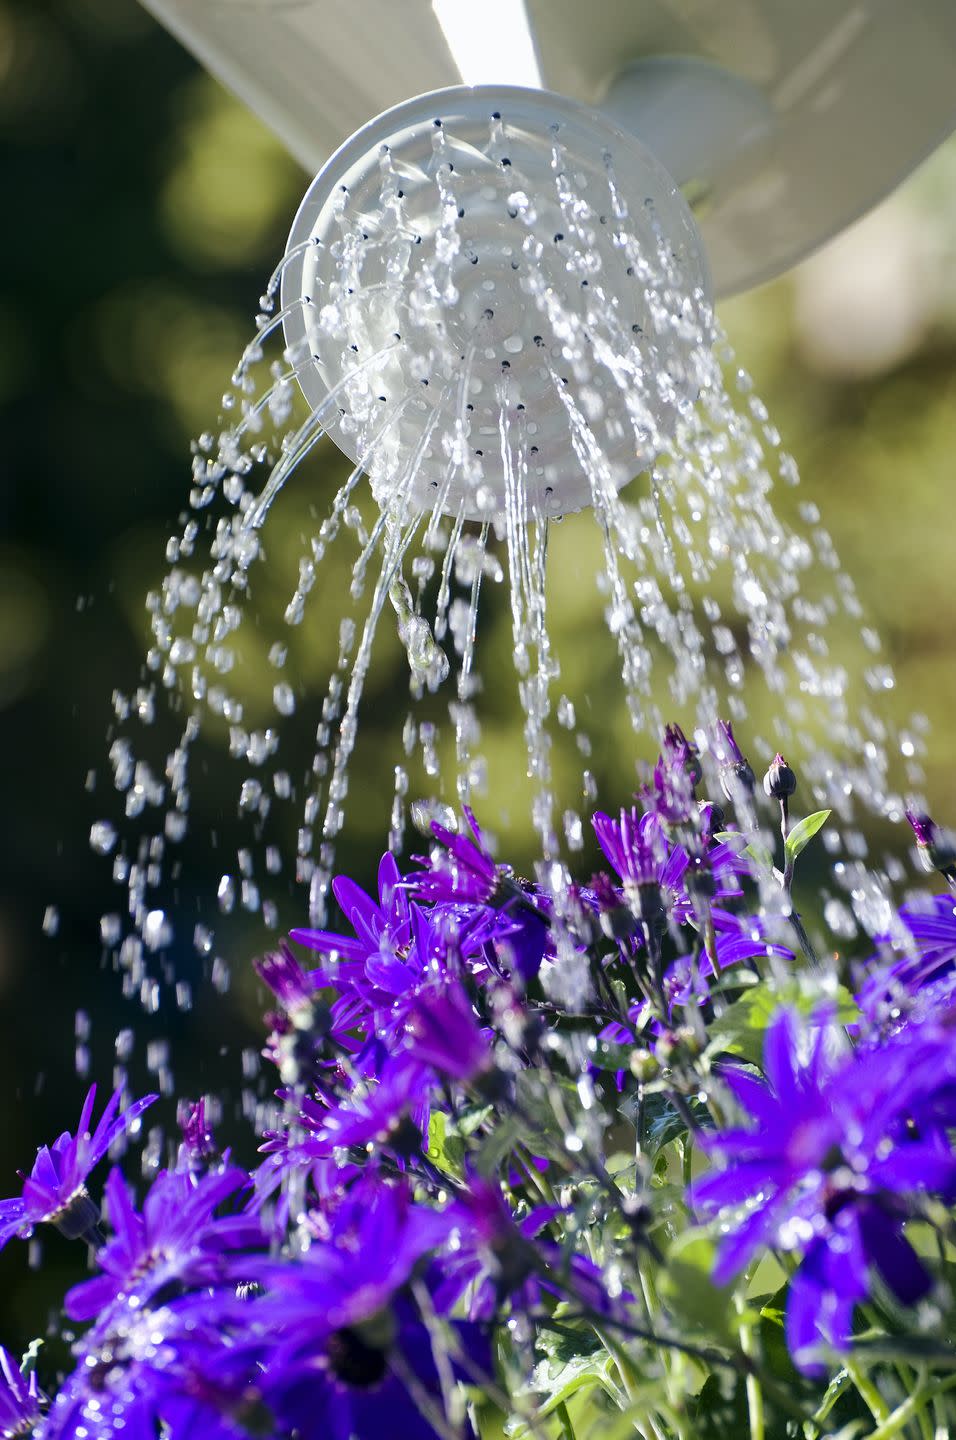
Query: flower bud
x,y
779,782
79,1218
935,847
735,777
735,774
678,749
644,1066
699,879
615,919
712,818
645,901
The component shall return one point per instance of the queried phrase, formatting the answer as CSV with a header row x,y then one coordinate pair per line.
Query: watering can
x,y
781,120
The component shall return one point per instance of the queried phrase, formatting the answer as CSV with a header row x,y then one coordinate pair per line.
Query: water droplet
x,y
103,836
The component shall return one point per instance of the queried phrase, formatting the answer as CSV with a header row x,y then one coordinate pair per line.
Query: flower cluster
x,y
519,1125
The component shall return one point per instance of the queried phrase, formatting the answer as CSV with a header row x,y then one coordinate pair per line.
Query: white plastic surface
x,y
496,277
859,91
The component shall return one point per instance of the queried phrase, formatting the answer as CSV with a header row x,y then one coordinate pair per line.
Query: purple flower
x,y
55,1193
293,987
830,1166
495,1259
307,1032
341,1336
378,995
444,1033
376,1239
198,1145
670,794
927,971
19,1397
936,847
382,927
736,777
168,1369
392,1111
635,846
461,871
176,1238
678,750
367,1381
652,870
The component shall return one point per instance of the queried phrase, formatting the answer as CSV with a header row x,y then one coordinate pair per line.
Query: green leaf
x,y
467,1121
494,1148
611,1057
720,1411
662,1121
739,842
741,1028
563,1342
446,1149
802,833
688,1289
555,1385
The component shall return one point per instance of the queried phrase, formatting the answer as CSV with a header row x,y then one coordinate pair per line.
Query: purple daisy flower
x,y
376,1238
382,927
378,995
463,870
341,1338
170,1369
444,1033
463,873
176,1237
495,1258
927,971
392,1111
357,1384
19,1397
650,866
55,1192
829,1166
635,845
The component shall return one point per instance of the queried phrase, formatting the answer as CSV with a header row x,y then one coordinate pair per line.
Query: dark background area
x,y
143,211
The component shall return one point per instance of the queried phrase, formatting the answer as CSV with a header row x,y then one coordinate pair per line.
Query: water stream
x,y
712,602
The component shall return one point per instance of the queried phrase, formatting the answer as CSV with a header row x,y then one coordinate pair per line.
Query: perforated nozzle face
x,y
504,294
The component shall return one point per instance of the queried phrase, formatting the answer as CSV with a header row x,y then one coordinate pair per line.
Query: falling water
x,y
499,334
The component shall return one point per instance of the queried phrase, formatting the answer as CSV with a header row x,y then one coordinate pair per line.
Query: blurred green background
x,y
144,209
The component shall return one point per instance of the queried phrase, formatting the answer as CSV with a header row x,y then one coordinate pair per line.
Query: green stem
x,y
787,883
536,1180
564,1418
625,1369
912,1405
630,1376
687,1159
710,942
868,1392
748,1344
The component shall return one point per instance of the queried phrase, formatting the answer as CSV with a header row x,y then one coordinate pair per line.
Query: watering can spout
x,y
782,122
